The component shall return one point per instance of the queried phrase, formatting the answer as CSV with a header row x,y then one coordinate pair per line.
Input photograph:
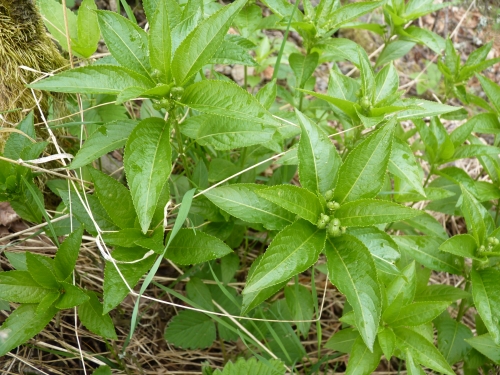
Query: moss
x,y
23,41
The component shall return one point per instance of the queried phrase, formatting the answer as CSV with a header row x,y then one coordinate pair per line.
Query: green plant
x,y
196,150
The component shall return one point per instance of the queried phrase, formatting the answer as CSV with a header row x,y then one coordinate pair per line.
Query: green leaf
x,y
427,38
267,94
232,53
67,254
102,370
427,109
411,367
471,151
319,160
100,79
403,287
243,202
452,337
251,366
367,77
342,87
227,133
463,245
441,293
71,296
191,330
487,299
418,313
383,249
492,90
403,164
363,172
16,142
88,29
20,287
474,214
303,66
226,99
92,317
106,138
424,352
386,83
126,41
300,303
293,250
345,106
485,345
363,361
202,43
425,250
350,12
352,271
190,247
393,50
53,15
365,212
115,198
160,42
148,163
41,271
296,200
24,323
343,340
387,342
114,288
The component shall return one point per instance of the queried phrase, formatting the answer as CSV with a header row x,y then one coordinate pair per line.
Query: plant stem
x,y
180,144
462,308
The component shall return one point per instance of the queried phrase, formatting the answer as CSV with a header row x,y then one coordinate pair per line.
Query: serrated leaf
x,y
100,79
303,66
474,214
114,288
386,83
463,245
343,340
126,41
106,138
226,99
67,254
160,42
24,323
296,200
418,313
319,160
226,133
352,271
41,271
232,53
394,50
189,247
300,303
202,43
486,296
411,366
381,246
92,317
71,296
363,172
441,293
53,16
366,212
485,345
362,360
425,250
403,286
350,12
427,109
403,164
115,198
292,251
243,202
387,342
148,163
251,366
345,106
452,337
492,90
367,76
20,287
17,142
424,352
191,330
342,87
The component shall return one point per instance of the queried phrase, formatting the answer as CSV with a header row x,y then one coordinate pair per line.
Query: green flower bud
x,y
322,221
333,230
336,222
329,195
365,103
359,93
343,229
482,248
157,106
177,92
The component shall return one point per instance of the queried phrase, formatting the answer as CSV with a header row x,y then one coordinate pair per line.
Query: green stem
x,y
462,308
285,37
